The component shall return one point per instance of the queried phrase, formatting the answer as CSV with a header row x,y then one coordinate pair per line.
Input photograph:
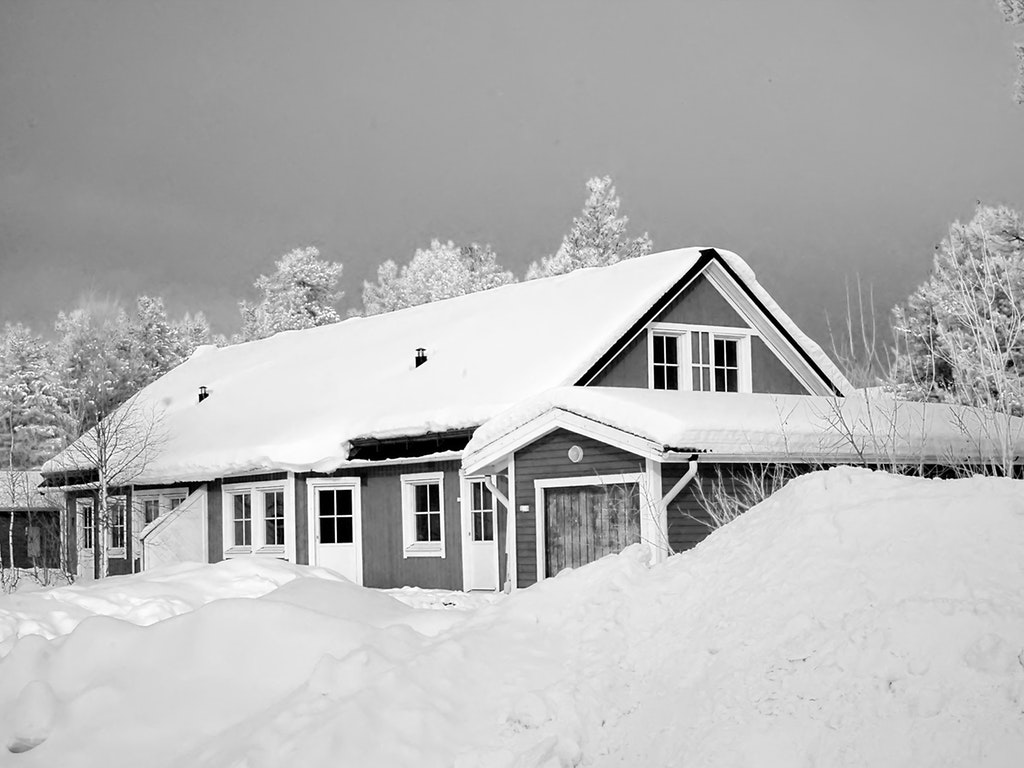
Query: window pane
x,y
175,502
327,531
243,520
478,526
343,502
488,502
435,526
732,381
345,530
672,378
422,504
704,347
152,509
671,350
423,527
659,377
720,380
435,496
488,526
659,350
730,353
705,379
327,503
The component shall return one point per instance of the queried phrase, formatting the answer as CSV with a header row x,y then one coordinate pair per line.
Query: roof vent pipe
x,y
421,356
203,394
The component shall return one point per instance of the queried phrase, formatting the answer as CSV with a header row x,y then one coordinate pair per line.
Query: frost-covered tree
x,y
301,293
1013,12
597,238
960,336
439,272
30,423
158,343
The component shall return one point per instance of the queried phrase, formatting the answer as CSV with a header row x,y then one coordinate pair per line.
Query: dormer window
x,y
699,358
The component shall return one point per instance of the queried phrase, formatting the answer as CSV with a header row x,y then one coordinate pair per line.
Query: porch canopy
x,y
670,426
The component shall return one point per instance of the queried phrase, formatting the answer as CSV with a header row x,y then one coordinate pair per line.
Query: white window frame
x,y
80,503
411,547
162,496
112,551
258,545
684,352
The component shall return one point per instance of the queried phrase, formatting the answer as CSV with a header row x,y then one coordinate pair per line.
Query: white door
x,y
481,543
335,527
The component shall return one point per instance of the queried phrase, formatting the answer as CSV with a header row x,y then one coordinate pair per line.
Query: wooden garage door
x,y
585,523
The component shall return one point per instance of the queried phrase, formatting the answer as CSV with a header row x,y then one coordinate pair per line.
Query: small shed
x,y
29,521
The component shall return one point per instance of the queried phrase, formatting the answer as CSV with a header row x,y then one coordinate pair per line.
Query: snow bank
x,y
854,619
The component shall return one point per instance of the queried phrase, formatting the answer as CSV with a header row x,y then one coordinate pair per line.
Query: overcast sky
x,y
178,148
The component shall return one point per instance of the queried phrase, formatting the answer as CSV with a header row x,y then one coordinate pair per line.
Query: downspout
x,y
491,485
675,490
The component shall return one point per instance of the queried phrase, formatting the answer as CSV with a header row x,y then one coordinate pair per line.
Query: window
x,y
335,519
241,519
85,521
699,358
150,504
482,507
273,517
258,519
666,362
117,523
423,514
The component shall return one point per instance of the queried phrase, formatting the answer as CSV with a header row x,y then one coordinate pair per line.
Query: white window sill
x,y
425,549
237,551
119,552
273,550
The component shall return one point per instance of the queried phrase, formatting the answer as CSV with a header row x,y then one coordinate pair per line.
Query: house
x,y
29,521
489,439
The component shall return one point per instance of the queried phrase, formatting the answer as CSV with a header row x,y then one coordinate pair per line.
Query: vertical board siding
x,y
769,374
545,459
47,521
384,564
688,521
301,521
214,521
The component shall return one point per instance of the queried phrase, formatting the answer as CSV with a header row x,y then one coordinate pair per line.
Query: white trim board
x,y
548,422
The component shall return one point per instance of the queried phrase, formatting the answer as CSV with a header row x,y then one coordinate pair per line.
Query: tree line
x,y
54,390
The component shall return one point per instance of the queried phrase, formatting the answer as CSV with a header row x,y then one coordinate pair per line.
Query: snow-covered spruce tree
x,y
301,293
960,336
597,238
158,343
30,419
439,272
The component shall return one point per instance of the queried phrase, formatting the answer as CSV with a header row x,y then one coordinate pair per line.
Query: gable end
x,y
632,338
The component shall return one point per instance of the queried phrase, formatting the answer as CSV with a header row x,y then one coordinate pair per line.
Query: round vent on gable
x,y
575,454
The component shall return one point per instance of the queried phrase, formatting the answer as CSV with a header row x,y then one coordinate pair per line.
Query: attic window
x,y
699,358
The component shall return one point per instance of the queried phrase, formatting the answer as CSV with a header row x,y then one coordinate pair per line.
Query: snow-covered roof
x,y
295,401
730,426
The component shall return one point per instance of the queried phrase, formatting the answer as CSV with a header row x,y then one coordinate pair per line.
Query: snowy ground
x,y
855,619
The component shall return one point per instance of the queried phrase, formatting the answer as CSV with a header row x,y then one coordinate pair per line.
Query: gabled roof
x,y
296,400
751,427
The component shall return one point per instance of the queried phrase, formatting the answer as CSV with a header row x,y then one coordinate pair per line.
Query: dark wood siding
x,y
628,369
770,374
700,303
547,458
46,521
214,521
301,521
383,562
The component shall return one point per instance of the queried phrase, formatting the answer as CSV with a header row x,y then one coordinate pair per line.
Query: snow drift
x,y
854,619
